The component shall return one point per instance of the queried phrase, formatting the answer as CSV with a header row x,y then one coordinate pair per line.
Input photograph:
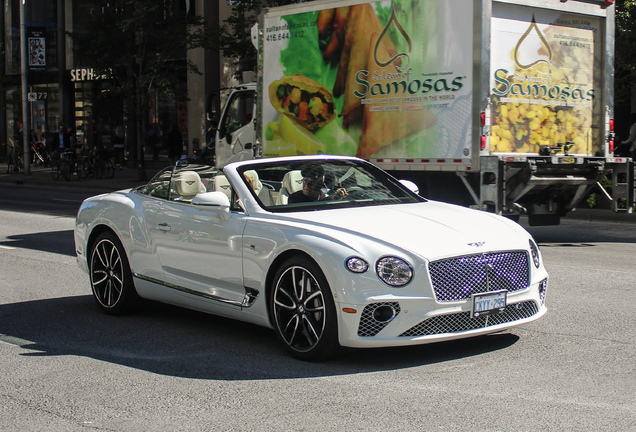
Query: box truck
x,y
502,105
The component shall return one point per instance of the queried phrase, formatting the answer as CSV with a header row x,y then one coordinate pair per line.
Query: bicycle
x,y
66,167
15,163
97,164
40,156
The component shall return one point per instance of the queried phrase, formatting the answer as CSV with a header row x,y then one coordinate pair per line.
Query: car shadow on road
x,y
53,242
177,342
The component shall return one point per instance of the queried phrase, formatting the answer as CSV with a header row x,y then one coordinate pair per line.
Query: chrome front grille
x,y
462,321
456,279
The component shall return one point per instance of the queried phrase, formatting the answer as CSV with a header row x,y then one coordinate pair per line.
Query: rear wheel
x,y
303,311
111,278
85,168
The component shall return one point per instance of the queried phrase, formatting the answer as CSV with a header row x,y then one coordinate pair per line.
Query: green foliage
x,y
625,65
234,36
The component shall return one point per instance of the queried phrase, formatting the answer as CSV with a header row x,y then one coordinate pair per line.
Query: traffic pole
x,y
25,90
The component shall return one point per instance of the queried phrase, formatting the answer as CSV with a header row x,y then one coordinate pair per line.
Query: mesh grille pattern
x,y
462,321
543,286
458,278
368,325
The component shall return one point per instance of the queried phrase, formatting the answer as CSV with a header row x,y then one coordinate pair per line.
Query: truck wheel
x,y
111,278
302,310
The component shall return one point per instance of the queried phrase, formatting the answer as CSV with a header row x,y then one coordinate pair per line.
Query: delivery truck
x,y
502,105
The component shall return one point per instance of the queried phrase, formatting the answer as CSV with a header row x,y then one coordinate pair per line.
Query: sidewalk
x,y
128,177
123,179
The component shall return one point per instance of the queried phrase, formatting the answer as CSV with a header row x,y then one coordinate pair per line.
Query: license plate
x,y
568,160
488,303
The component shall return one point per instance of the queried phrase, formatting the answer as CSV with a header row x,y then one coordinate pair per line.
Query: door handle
x,y
163,227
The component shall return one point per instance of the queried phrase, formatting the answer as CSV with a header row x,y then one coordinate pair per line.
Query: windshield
x,y
323,184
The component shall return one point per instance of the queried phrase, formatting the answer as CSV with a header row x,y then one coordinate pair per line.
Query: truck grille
x,y
462,321
456,279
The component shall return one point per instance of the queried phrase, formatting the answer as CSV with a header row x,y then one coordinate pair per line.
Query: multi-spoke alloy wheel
x,y
303,311
111,280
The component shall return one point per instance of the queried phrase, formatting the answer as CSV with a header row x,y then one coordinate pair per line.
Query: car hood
x,y
432,229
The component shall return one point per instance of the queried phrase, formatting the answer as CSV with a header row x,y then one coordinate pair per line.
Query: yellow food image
x,y
522,123
286,138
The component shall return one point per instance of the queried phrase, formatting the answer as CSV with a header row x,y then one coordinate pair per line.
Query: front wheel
x,y
111,278
302,310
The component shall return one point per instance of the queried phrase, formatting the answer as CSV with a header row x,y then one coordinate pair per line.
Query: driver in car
x,y
313,183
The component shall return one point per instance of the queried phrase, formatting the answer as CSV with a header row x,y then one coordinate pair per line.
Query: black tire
x,y
110,275
302,310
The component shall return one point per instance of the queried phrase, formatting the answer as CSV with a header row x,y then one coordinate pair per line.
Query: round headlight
x,y
534,251
356,265
394,271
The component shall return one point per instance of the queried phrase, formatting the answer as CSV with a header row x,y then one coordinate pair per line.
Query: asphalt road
x,y
66,366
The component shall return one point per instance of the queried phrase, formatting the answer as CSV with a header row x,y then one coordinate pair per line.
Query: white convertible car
x,y
328,251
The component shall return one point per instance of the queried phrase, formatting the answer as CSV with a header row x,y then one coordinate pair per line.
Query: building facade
x,y
62,89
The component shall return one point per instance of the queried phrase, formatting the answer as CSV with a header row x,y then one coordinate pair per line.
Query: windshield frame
x,y
399,194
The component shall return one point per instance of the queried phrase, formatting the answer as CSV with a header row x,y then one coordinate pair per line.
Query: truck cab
x,y
236,132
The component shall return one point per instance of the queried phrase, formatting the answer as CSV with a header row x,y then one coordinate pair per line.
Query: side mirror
x,y
410,186
213,200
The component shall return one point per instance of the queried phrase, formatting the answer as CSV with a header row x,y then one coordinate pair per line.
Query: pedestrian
x,y
119,146
72,138
60,140
631,140
11,156
175,144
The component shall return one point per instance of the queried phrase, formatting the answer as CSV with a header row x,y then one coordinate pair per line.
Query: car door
x,y
200,250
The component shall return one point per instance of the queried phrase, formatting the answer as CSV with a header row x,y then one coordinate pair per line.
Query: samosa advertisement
x,y
545,81
376,80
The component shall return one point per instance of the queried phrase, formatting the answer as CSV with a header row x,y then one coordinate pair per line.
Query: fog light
x,y
384,314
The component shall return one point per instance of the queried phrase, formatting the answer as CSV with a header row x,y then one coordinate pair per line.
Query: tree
x,y
141,45
625,67
234,37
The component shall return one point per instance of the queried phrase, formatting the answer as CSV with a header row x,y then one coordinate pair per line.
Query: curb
x,y
129,177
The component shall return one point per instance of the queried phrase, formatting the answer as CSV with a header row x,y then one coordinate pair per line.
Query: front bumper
x,y
416,321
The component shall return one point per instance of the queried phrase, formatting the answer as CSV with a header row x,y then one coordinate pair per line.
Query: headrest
x,y
222,185
188,184
256,183
293,181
